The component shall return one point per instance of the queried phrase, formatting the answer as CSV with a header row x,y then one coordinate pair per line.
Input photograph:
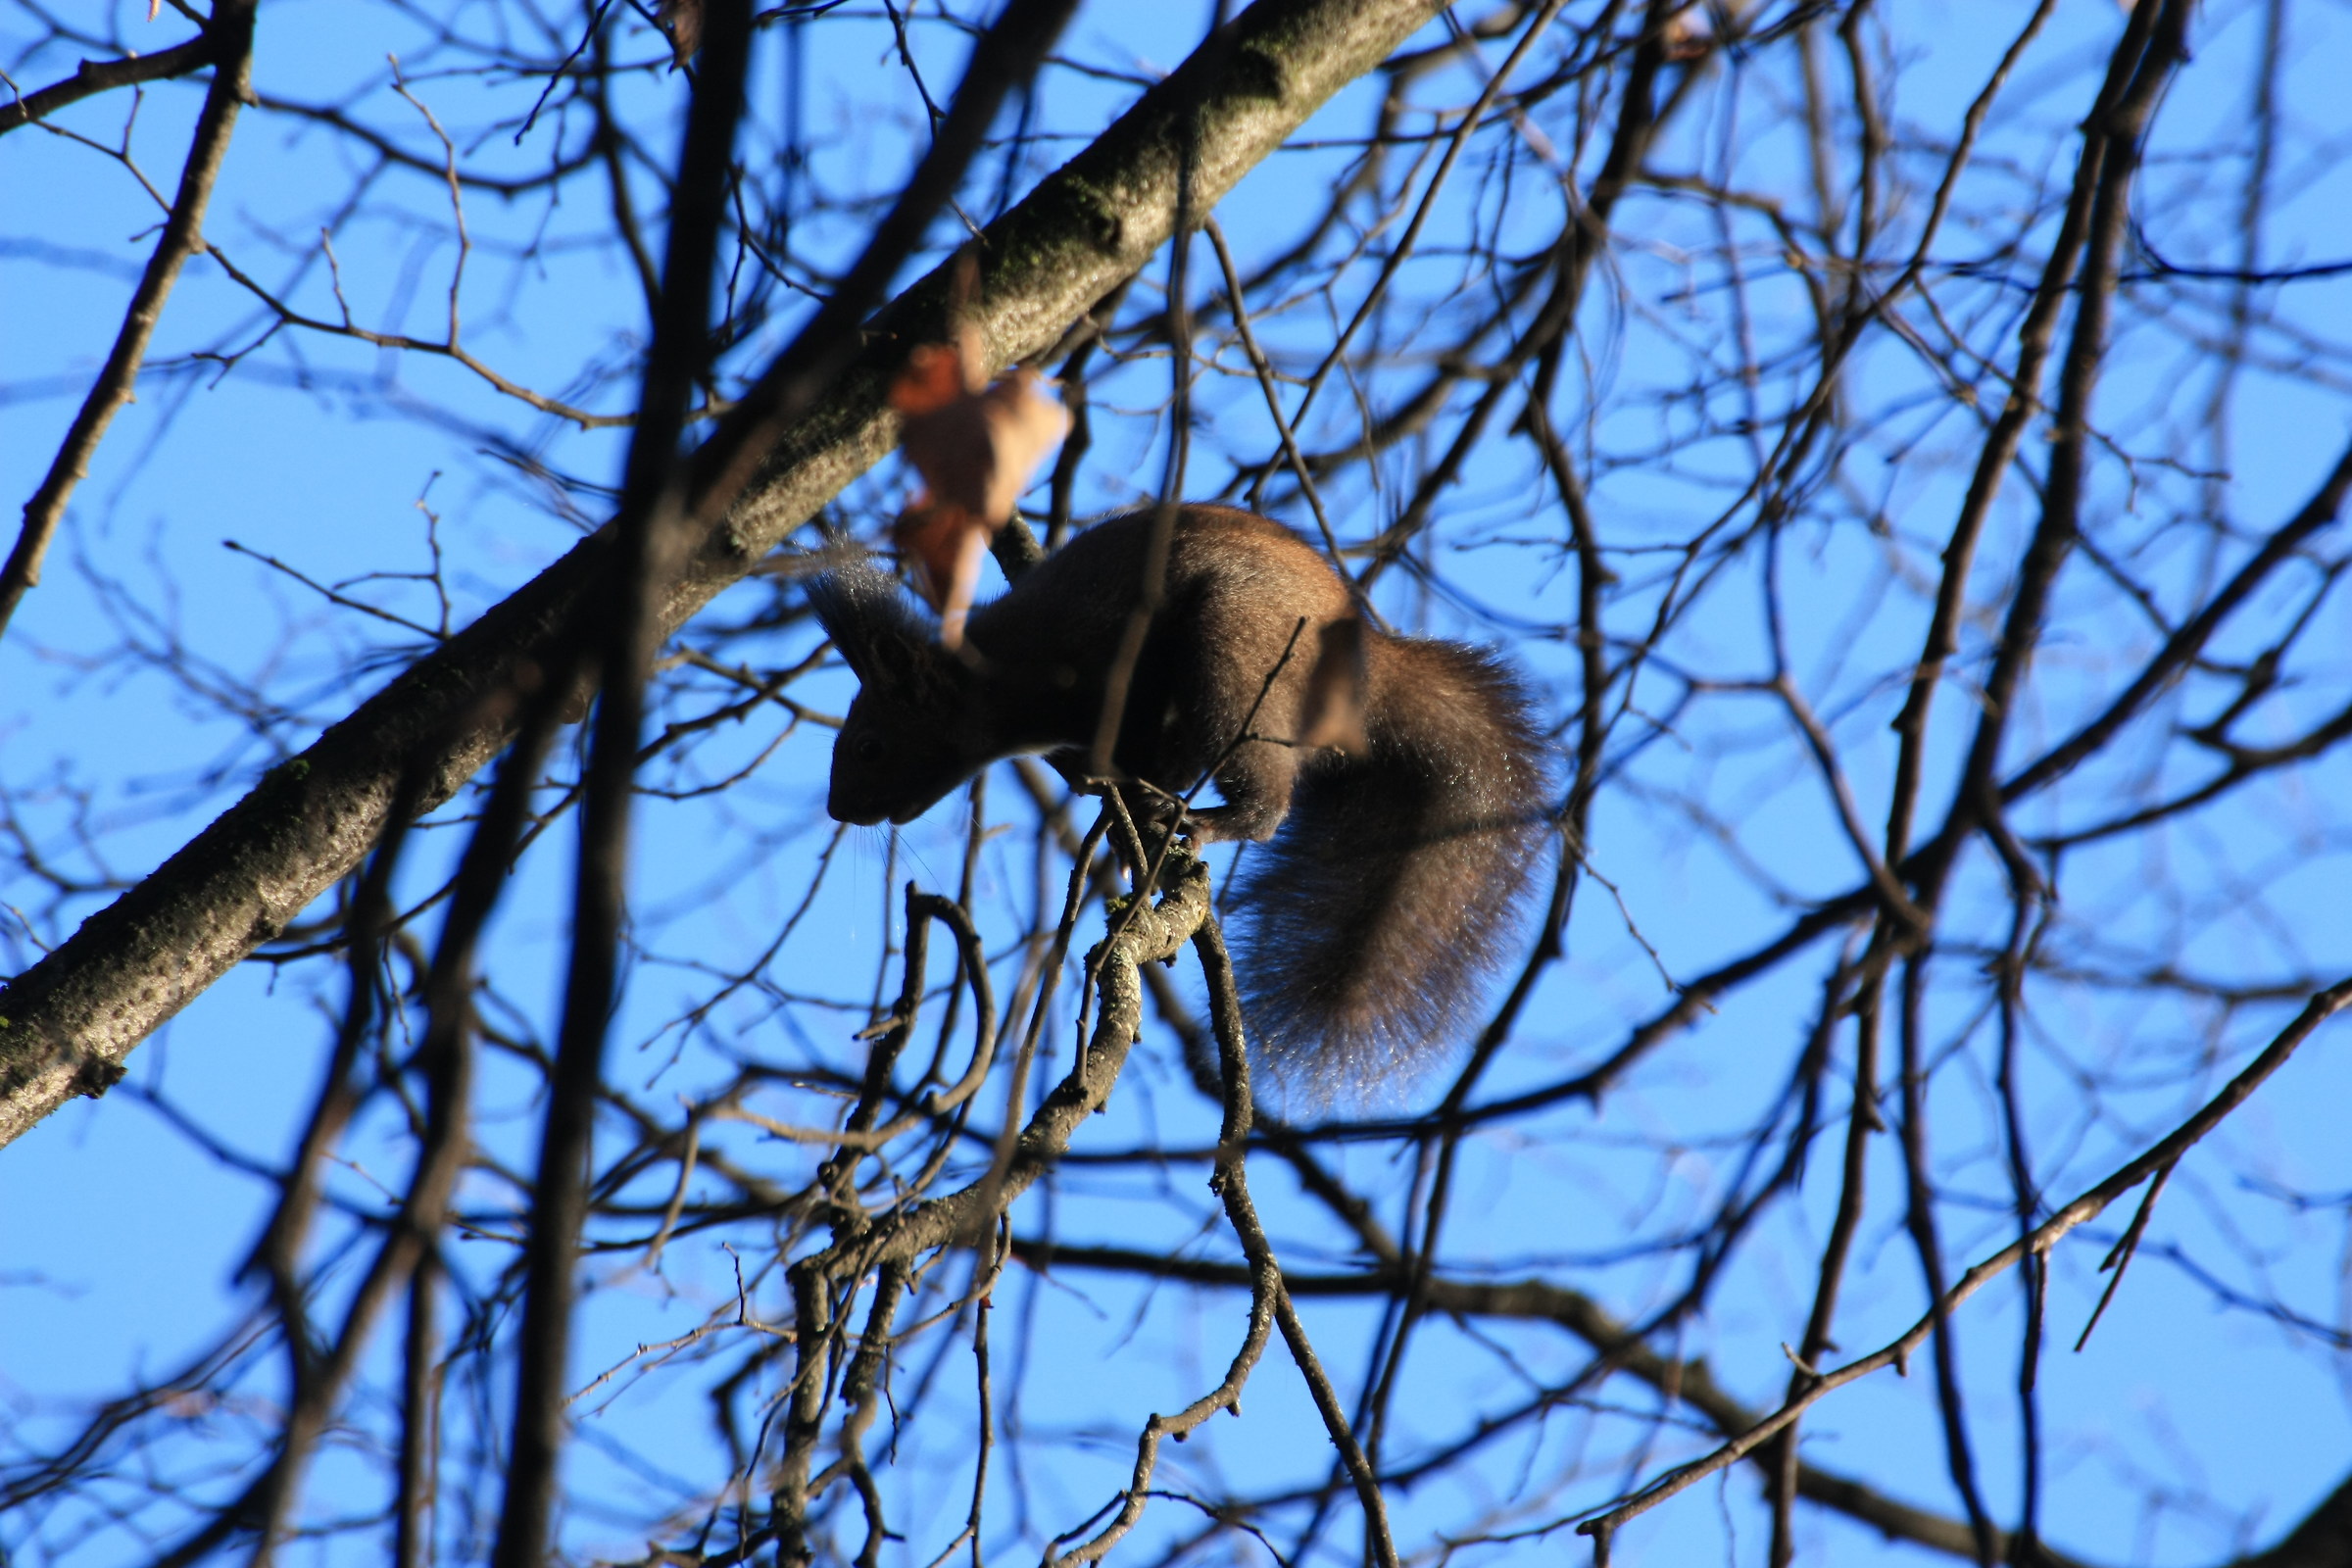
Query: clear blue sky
x,y
120,1230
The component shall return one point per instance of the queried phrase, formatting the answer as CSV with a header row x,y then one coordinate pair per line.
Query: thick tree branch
x,y
73,1016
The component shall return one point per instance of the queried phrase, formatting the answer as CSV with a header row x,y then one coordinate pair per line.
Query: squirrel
x,y
1394,858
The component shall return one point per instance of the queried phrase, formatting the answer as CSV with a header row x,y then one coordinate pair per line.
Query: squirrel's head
x,y
904,742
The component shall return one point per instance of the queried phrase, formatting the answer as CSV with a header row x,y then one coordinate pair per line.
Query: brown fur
x,y
1369,918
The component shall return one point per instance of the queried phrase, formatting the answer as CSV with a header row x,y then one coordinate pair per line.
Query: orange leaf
x,y
976,449
975,446
932,380
941,544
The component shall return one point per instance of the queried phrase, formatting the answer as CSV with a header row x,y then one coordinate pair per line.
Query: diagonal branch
x,y
94,76
73,1016
1690,1381
2084,1209
229,43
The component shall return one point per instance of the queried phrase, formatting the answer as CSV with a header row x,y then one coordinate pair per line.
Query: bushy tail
x,y
1392,890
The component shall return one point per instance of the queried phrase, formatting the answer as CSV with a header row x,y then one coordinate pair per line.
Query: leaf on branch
x,y
975,446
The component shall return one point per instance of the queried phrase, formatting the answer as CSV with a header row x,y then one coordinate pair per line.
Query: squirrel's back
x,y
1391,865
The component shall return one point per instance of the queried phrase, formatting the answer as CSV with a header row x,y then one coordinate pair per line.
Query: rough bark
x,y
68,1024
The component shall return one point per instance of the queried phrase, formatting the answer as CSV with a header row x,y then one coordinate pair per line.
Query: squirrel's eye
x,y
868,748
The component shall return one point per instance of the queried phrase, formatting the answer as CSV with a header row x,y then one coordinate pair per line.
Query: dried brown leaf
x,y
975,446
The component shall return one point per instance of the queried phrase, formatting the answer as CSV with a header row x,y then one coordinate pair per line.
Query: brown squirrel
x,y
1388,890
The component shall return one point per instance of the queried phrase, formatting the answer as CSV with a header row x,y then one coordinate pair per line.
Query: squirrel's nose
x,y
841,810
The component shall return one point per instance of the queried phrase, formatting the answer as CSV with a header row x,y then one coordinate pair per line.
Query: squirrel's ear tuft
x,y
879,633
